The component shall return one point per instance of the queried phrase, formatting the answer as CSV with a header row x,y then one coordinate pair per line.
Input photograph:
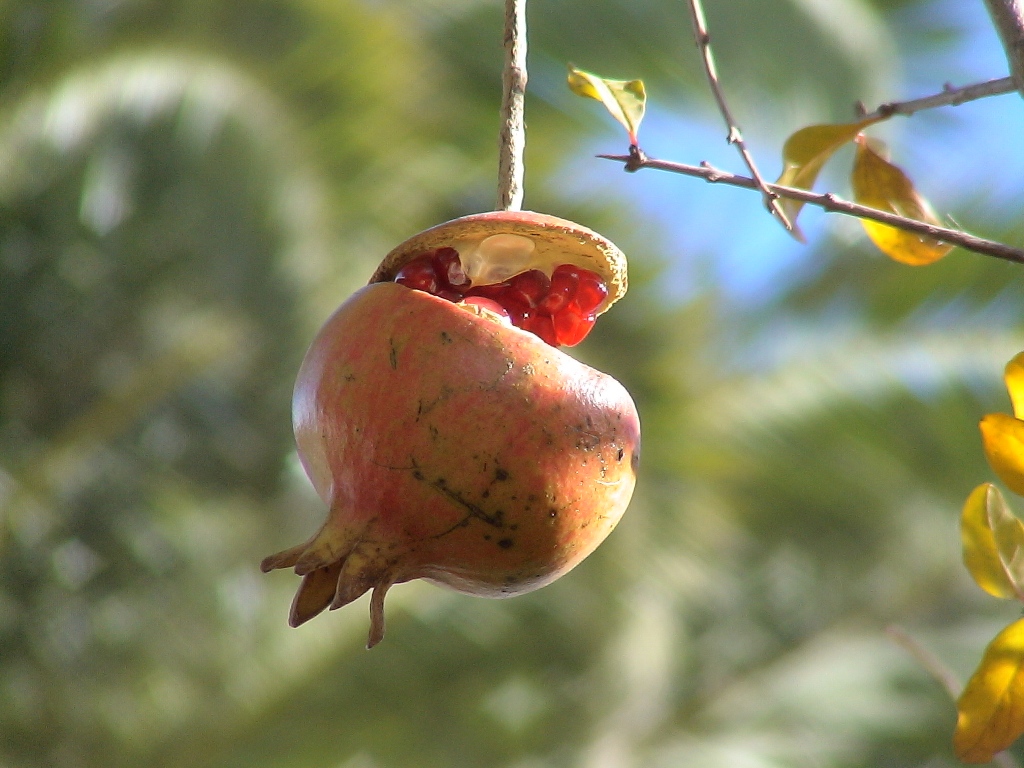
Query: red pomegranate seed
x,y
419,274
518,314
564,281
449,270
572,328
490,304
591,292
560,310
543,327
494,291
529,287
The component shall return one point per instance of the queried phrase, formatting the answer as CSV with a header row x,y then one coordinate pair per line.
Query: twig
x,y
934,666
931,663
512,135
703,38
949,97
637,160
1008,17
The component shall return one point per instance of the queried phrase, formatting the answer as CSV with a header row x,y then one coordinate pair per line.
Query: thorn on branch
x,y
713,175
636,160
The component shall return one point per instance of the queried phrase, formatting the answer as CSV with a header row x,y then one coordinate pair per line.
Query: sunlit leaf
x,y
624,99
806,151
1014,377
991,707
879,184
993,542
1003,438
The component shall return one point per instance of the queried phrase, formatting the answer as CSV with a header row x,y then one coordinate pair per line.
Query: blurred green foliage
x,y
187,187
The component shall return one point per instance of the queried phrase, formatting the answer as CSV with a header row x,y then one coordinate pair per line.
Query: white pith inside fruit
x,y
498,257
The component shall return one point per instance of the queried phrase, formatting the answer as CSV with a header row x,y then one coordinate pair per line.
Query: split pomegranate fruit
x,y
449,436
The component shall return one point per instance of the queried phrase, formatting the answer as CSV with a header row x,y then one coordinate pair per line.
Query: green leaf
x,y
993,542
991,708
806,151
624,99
879,184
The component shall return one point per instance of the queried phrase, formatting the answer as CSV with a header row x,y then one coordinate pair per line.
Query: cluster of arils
x,y
560,309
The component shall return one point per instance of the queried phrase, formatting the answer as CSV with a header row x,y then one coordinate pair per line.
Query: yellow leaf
x,y
624,99
1014,378
879,184
993,542
991,707
806,151
1003,438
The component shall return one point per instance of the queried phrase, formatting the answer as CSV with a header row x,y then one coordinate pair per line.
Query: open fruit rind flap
x,y
497,245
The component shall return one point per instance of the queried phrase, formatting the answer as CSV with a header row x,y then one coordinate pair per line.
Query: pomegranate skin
x,y
452,447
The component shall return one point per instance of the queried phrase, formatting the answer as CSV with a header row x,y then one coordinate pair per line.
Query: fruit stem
x,y
512,134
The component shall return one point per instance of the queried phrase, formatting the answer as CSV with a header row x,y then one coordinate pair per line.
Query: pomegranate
x,y
450,438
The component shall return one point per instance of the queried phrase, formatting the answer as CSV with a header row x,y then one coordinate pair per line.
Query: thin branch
x,y
512,135
637,160
703,38
949,97
931,663
1008,17
942,674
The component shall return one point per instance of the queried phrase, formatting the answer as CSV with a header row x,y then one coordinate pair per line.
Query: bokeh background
x,y
188,187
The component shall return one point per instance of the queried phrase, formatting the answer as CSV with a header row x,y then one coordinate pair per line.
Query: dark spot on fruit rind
x,y
505,543
501,474
495,519
393,355
445,338
621,454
